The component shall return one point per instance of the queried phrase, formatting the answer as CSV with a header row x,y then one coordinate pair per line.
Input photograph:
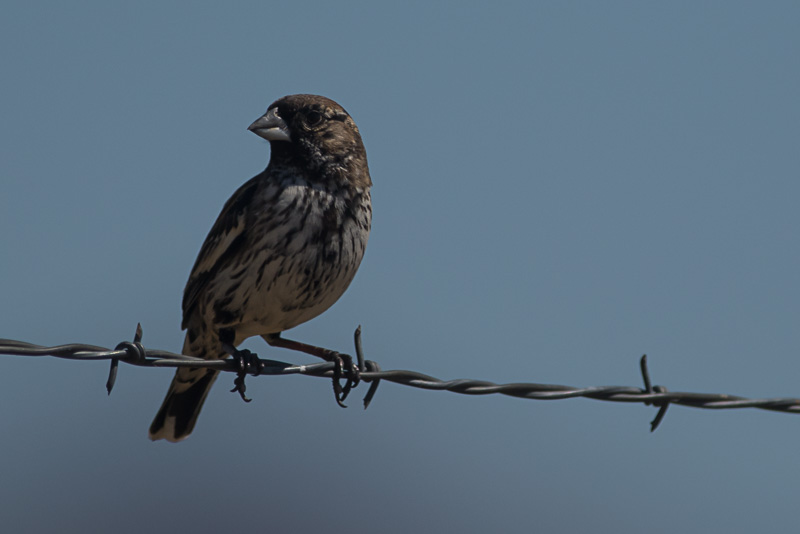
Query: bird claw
x,y
240,387
344,362
248,363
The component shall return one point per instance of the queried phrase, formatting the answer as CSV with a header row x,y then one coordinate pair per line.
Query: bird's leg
x,y
246,361
339,360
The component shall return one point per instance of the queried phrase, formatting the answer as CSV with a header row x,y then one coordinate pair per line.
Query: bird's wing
x,y
221,245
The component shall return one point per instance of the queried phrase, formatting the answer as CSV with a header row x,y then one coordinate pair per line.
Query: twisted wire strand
x,y
135,353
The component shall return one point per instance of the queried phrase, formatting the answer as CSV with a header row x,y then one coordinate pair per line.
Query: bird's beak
x,y
271,127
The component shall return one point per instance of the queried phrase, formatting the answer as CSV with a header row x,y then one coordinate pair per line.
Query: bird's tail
x,y
177,416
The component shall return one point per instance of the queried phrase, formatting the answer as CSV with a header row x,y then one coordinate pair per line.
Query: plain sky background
x,y
559,187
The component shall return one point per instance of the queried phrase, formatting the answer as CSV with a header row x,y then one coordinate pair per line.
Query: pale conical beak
x,y
271,127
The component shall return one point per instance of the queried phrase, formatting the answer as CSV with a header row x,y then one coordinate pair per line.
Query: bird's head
x,y
317,135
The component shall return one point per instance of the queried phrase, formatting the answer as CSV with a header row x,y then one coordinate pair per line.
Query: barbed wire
x,y
134,353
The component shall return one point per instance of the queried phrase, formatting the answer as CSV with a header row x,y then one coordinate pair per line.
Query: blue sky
x,y
559,187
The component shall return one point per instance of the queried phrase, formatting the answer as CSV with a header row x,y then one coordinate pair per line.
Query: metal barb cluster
x,y
135,353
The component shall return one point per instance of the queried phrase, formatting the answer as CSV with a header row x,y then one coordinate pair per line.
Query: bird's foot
x,y
340,362
344,362
247,363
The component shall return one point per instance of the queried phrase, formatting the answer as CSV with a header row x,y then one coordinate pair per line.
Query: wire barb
x,y
367,365
650,389
134,353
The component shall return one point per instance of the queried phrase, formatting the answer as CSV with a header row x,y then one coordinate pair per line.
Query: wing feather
x,y
223,241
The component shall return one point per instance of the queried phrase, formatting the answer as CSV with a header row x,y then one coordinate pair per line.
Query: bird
x,y
283,250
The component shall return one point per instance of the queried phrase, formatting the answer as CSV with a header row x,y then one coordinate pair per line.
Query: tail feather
x,y
177,416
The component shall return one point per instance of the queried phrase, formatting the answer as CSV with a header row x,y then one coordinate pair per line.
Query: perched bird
x,y
284,249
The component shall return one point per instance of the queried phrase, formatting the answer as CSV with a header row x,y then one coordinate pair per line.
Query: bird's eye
x,y
313,118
